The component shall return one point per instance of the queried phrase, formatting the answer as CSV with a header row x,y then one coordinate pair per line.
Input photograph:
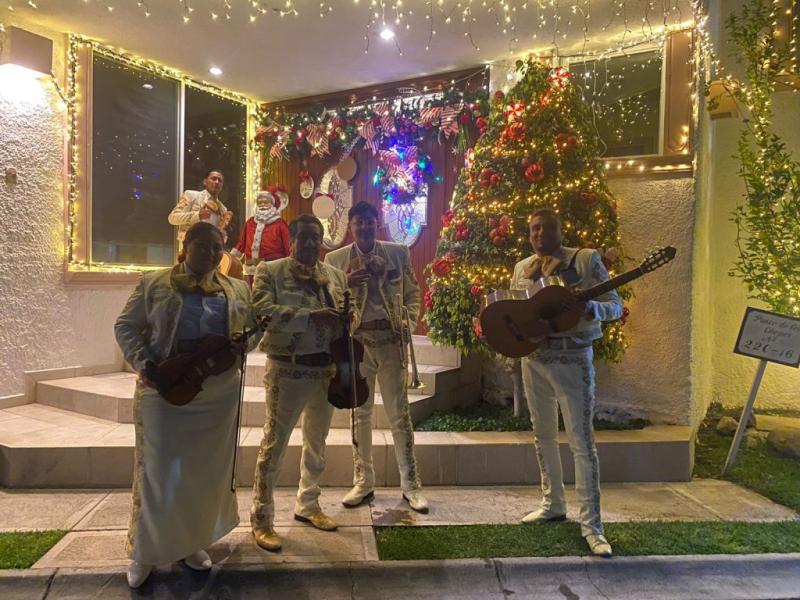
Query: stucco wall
x,y
720,300
45,323
653,379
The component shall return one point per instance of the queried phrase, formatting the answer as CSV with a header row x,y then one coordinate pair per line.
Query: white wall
x,y
44,322
653,379
721,300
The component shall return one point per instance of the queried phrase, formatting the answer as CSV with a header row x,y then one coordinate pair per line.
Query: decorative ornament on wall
x,y
306,184
403,180
334,198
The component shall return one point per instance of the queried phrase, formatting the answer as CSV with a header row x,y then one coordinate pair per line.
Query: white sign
x,y
769,336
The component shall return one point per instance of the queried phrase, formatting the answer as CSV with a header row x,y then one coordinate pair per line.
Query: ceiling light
x,y
147,86
215,71
387,34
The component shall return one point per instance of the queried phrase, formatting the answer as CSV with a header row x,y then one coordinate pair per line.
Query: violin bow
x,y
352,366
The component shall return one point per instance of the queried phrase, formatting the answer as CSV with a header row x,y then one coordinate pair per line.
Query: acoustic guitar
x,y
505,313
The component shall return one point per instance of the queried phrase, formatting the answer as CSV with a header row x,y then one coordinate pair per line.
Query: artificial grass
x,y
21,549
759,469
490,417
564,539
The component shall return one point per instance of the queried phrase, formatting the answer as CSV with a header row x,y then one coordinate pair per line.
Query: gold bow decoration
x,y
542,266
308,275
374,264
187,283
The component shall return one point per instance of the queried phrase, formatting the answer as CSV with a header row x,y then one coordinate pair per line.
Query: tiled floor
x,y
98,519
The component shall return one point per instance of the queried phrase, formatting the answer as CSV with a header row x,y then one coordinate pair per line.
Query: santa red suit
x,y
265,235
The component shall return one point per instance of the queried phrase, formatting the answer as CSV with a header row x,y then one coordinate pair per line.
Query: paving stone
x,y
731,502
330,501
25,510
112,512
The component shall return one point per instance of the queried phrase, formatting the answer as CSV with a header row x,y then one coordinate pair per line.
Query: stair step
x,y
42,446
110,397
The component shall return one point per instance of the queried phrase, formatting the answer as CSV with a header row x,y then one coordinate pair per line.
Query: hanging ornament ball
x,y
347,169
323,207
306,187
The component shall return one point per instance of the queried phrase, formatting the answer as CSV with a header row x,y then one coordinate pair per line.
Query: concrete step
x,y
110,397
43,446
435,377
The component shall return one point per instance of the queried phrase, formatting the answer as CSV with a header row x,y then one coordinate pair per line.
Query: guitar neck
x,y
611,284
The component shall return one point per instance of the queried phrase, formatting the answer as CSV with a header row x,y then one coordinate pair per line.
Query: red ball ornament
x,y
499,95
498,241
495,179
447,218
535,172
441,267
476,290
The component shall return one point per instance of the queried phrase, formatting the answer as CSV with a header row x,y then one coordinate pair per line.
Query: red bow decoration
x,y
318,138
449,123
367,131
385,115
427,116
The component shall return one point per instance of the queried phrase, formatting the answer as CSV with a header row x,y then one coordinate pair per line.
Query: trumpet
x,y
408,340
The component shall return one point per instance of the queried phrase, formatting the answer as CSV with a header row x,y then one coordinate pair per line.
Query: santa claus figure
x,y
265,235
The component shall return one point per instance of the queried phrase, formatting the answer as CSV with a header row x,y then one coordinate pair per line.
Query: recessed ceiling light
x,y
387,34
147,86
215,71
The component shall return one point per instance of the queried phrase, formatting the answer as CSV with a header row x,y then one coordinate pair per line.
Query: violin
x,y
179,379
348,388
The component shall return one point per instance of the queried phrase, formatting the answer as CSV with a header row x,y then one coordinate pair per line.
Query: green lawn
x,y
760,469
564,539
489,417
20,550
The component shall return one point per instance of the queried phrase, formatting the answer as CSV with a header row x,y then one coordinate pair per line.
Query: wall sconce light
x,y
25,49
718,91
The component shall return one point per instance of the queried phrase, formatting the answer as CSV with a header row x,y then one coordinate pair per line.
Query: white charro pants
x,y
383,362
292,390
565,379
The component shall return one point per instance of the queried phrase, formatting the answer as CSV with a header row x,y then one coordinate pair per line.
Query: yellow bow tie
x,y
542,267
305,274
188,283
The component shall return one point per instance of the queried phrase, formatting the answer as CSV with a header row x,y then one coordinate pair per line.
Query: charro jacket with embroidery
x,y
590,272
289,302
185,214
398,278
145,330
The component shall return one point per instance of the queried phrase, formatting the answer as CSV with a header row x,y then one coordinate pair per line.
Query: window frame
x,y
676,124
79,267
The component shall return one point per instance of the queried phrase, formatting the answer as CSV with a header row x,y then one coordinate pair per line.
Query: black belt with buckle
x,y
320,359
376,325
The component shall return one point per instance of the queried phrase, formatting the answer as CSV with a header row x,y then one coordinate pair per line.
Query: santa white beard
x,y
266,215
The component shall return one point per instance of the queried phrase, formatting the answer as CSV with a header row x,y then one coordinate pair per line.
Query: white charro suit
x,y
384,357
183,459
186,212
560,373
292,388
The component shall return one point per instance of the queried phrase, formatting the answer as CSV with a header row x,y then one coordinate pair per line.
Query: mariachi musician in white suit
x,y
560,374
379,272
204,205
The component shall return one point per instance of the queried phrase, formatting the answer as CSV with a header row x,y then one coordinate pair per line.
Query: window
x,y
140,134
625,95
216,138
134,164
642,102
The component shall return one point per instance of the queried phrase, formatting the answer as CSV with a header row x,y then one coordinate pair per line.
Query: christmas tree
x,y
538,148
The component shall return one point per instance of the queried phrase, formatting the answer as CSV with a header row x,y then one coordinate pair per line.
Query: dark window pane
x,y
134,164
216,138
625,95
